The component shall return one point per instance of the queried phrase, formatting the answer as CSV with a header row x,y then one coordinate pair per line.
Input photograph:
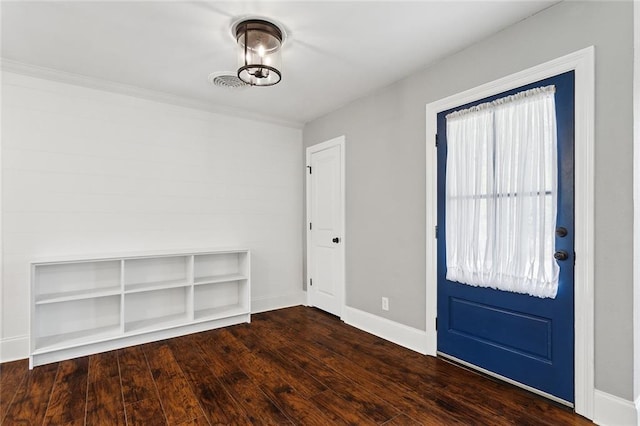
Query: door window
x,y
501,199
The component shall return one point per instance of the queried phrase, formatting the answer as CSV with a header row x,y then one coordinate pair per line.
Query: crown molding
x,y
17,67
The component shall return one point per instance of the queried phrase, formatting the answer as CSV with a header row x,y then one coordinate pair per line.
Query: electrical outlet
x,y
385,303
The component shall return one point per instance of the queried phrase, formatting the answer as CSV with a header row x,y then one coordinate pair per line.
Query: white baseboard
x,y
611,410
403,335
279,302
14,348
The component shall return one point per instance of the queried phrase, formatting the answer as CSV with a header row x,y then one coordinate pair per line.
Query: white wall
x,y
87,172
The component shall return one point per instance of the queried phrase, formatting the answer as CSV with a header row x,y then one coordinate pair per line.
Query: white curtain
x,y
501,194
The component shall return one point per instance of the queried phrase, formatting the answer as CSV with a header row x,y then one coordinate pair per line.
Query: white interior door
x,y
325,226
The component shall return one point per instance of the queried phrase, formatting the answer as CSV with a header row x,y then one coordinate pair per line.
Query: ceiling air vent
x,y
226,80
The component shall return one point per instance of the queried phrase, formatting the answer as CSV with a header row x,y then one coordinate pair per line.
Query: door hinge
x,y
309,167
436,140
436,323
310,281
310,226
436,232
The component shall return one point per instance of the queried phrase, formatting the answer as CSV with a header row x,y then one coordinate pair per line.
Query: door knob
x,y
336,240
561,255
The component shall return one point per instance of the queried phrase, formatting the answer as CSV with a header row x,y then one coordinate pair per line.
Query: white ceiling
x,y
336,52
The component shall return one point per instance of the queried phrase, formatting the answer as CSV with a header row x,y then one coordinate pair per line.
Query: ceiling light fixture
x,y
259,56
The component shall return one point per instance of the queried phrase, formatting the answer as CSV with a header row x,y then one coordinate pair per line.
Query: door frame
x,y
582,62
340,142
636,207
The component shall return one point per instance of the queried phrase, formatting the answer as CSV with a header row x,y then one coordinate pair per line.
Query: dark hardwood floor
x,y
296,365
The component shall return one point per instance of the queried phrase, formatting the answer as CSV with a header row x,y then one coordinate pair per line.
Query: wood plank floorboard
x,y
178,400
292,366
216,401
259,408
69,393
11,376
33,396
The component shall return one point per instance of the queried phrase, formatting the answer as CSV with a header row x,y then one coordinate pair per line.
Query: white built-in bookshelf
x,y
88,305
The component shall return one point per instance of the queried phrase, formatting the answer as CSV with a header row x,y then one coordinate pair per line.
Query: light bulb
x,y
261,51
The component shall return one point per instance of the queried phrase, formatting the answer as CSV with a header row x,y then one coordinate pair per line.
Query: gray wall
x,y
385,151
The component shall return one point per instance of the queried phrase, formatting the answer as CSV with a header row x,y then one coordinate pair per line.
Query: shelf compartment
x,y
155,310
155,286
69,281
219,279
76,295
219,267
157,272
76,322
220,312
76,338
220,299
155,324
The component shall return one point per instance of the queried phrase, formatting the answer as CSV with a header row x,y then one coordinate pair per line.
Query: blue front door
x,y
524,338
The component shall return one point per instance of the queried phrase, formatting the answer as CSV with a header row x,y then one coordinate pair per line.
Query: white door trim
x,y
582,62
340,142
3,342
636,206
